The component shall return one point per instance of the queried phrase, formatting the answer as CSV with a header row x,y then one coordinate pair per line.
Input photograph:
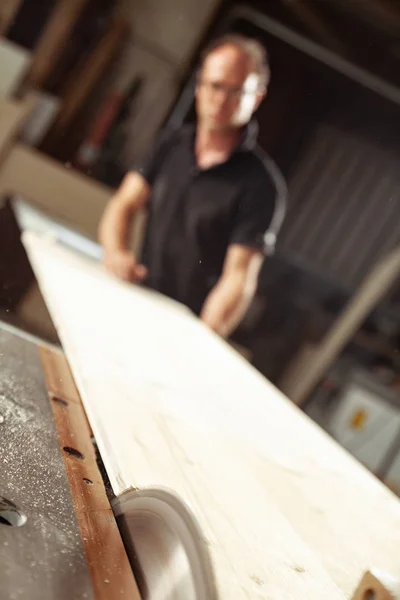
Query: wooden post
x,y
53,39
376,285
8,11
85,77
13,114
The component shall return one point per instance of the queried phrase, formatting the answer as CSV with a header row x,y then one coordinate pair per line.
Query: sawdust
x,y
9,410
24,427
32,474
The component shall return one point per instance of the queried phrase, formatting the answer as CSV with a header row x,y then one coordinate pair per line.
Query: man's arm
x,y
115,225
229,300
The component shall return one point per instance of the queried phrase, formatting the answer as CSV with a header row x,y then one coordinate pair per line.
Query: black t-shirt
x,y
195,214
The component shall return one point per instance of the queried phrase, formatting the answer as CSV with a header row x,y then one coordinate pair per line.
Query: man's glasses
x,y
215,87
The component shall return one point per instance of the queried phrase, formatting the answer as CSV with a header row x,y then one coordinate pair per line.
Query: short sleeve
x,y
152,162
254,213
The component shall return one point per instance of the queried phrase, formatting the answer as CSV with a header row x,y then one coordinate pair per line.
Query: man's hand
x,y
123,264
115,225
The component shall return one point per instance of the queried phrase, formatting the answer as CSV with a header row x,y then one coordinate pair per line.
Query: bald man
x,y
210,193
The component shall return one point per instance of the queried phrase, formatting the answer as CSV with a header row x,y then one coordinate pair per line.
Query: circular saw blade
x,y
165,545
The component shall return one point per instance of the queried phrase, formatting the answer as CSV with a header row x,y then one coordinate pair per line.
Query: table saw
x,y
58,535
183,474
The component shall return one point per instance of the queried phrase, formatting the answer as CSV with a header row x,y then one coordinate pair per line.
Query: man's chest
x,y
196,197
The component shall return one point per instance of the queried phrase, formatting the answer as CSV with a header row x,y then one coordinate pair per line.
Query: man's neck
x,y
217,139
215,146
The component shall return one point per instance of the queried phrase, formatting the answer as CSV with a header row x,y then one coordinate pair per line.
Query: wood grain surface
x,y
53,39
108,563
8,10
81,83
286,512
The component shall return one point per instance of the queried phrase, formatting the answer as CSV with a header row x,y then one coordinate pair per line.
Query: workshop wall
x,y
164,37
344,191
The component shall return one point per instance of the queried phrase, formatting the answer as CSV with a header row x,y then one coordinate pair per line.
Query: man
x,y
210,193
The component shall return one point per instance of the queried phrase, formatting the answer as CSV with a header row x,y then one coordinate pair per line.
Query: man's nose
x,y
221,97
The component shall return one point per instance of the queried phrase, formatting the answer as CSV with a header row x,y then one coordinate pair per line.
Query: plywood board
x,y
286,512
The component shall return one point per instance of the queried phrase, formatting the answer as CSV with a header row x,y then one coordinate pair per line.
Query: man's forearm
x,y
226,305
230,299
114,226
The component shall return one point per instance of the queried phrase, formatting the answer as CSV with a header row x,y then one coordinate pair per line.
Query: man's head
x,y
232,81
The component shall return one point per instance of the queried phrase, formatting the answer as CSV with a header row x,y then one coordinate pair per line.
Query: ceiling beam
x,y
381,14
316,24
367,79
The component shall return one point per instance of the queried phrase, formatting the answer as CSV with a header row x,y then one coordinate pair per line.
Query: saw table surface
x,y
58,539
285,512
44,559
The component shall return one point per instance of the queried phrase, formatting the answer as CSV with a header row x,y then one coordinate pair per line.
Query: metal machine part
x,y
165,546
41,550
366,422
10,514
363,415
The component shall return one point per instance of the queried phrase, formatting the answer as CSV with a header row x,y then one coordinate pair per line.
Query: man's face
x,y
227,92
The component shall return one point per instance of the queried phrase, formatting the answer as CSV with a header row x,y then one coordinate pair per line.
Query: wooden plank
x,y
14,63
59,380
8,10
53,39
287,513
13,114
372,291
63,193
85,77
108,563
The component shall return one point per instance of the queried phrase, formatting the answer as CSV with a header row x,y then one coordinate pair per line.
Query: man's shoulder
x,y
265,170
262,163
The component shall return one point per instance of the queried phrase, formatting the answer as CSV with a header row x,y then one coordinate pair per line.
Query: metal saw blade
x,y
165,545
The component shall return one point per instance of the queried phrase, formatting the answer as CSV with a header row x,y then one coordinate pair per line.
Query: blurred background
x,y
86,86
